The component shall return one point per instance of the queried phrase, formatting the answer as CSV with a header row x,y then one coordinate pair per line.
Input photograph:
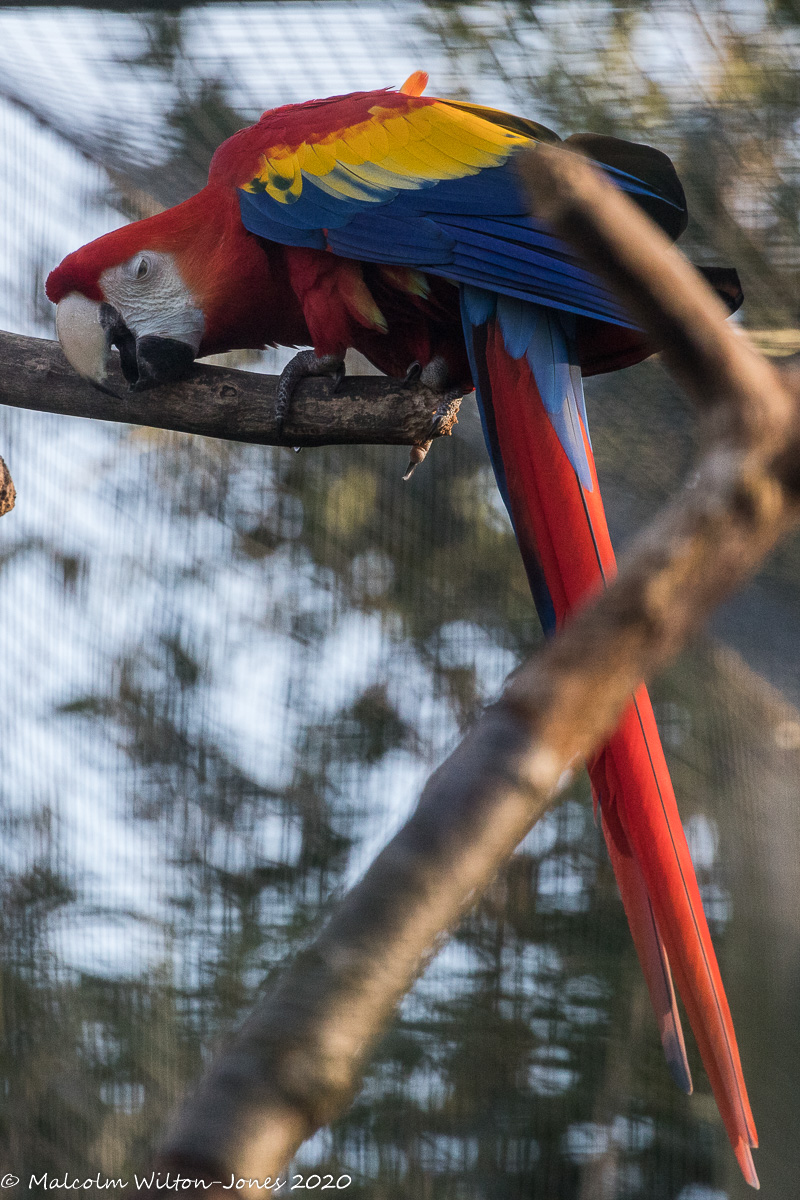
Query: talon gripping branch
x,y
392,222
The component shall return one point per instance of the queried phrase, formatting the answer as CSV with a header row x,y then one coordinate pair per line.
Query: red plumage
x,y
238,158
562,525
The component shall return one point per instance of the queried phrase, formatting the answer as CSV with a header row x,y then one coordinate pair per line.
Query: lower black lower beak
x,y
161,360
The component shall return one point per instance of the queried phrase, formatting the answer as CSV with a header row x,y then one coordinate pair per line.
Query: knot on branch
x,y
740,492
318,1080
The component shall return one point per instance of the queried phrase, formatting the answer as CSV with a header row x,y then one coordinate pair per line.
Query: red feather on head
x,y
229,272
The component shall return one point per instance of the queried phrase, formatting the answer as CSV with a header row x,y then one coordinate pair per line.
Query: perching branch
x,y
298,1059
224,403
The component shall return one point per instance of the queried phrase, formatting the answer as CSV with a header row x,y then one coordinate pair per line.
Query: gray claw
x,y
413,374
338,375
416,456
304,365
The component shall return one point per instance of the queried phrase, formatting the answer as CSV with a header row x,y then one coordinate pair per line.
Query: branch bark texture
x,y
298,1059
226,403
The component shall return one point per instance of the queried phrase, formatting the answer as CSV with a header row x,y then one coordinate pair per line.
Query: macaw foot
x,y
436,376
304,365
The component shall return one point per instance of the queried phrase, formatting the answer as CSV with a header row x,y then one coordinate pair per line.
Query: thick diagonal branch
x,y
298,1058
225,403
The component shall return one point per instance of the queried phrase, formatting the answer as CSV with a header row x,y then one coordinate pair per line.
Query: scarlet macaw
x,y
392,222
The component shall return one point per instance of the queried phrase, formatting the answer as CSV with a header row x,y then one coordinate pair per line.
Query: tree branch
x,y
298,1058
224,403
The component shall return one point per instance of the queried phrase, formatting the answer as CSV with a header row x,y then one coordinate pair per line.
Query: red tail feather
x,y
564,526
646,937
642,795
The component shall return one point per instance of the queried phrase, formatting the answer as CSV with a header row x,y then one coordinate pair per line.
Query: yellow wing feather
x,y
390,150
356,141
380,142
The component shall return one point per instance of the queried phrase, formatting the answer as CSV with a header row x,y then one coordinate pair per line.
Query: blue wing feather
x,y
384,237
417,195
264,222
472,230
477,305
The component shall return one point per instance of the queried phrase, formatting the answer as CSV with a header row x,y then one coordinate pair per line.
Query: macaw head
x,y
162,291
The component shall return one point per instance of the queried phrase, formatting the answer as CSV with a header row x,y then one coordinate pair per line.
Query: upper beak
x,y
87,330
84,338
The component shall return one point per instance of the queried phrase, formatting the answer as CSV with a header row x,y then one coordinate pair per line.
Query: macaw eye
x,y
139,267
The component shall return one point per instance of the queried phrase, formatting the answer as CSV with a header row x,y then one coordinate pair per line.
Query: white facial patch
x,y
152,298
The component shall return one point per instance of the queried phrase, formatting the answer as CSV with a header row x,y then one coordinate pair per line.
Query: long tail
x,y
531,398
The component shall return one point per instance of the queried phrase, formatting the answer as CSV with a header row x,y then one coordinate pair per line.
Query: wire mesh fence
x,y
229,669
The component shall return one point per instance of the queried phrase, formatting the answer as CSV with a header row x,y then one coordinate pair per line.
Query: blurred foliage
x,y
732,136
526,1061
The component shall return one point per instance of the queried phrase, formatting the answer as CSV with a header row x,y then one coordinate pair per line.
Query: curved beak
x,y
84,338
87,330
